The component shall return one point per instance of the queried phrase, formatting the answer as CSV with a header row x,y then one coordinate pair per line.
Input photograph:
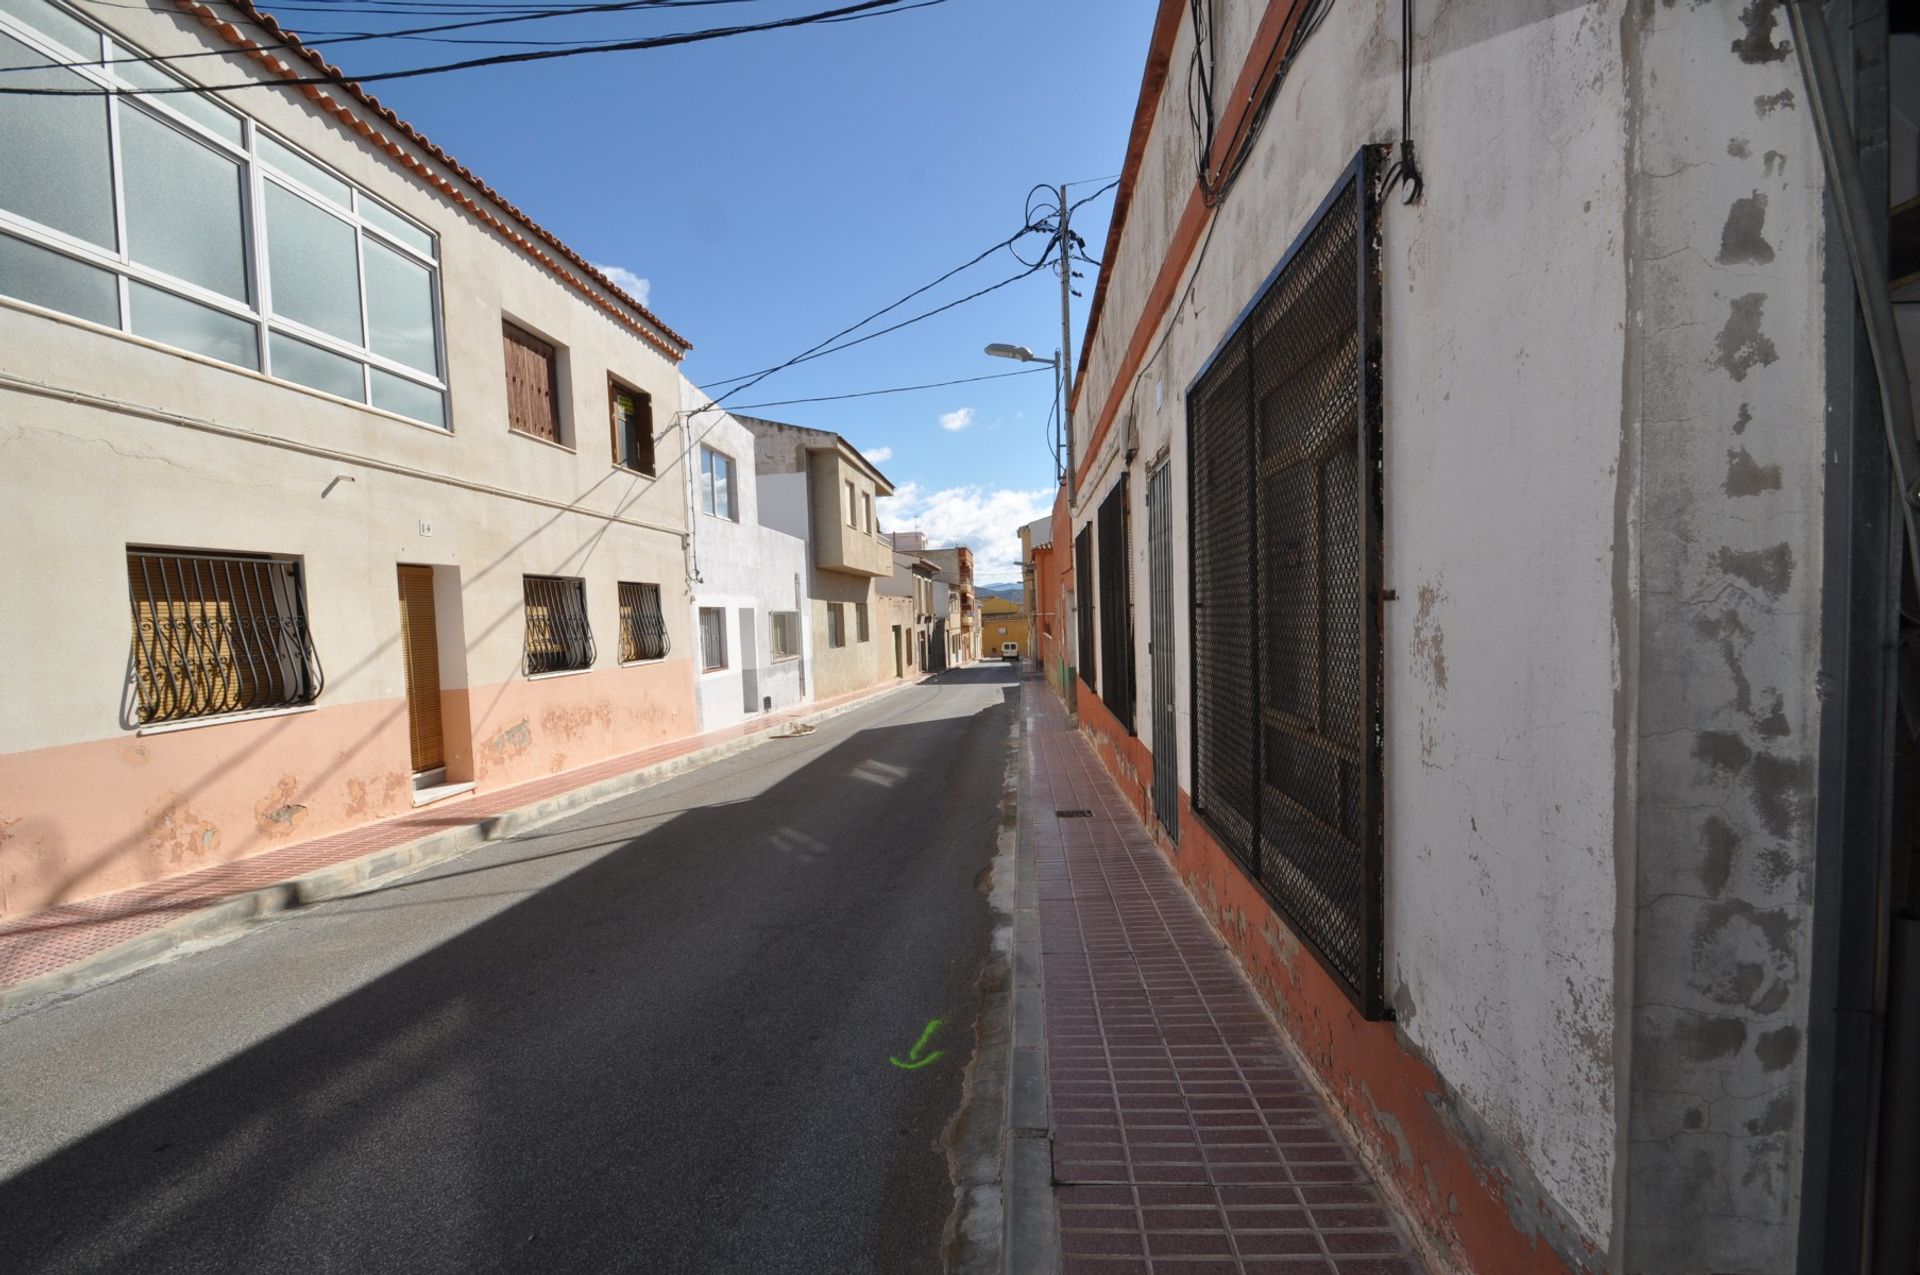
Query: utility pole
x,y
1066,346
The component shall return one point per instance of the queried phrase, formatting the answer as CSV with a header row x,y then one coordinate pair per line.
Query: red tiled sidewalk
x,y
1184,1138
58,937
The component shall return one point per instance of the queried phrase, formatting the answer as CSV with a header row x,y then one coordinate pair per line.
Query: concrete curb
x,y
1030,1238
229,916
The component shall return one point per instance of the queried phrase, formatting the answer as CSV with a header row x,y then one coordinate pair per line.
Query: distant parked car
x,y
1009,650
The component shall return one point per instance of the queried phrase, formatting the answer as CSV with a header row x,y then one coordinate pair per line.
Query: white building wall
x,y
749,570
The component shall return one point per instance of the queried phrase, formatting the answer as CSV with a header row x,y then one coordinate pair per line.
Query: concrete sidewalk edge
x,y
381,867
1030,1239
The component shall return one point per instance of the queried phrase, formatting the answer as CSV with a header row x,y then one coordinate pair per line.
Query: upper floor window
x,y
853,510
533,384
632,422
718,493
337,292
866,512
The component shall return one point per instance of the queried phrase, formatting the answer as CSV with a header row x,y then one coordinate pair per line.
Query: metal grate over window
x,y
1284,431
1115,612
218,633
643,626
1085,589
558,635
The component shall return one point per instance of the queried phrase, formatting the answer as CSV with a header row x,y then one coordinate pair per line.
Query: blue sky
x,y
773,188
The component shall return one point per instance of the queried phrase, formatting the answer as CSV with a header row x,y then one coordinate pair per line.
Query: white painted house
x,y
752,645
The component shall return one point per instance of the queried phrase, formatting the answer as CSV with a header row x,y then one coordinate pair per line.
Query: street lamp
x,y
1021,354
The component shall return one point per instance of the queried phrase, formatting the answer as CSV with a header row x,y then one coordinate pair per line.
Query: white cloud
x,y
878,454
628,282
986,520
956,421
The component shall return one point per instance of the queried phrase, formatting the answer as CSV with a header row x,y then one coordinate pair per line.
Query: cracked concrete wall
x,y
1721,483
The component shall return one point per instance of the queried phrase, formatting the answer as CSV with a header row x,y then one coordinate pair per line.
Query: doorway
x,y
899,668
749,663
420,650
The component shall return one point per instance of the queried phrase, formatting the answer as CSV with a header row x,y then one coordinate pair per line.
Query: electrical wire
x,y
1405,169
896,389
865,8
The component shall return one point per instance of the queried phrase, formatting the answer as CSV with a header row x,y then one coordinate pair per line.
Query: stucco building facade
x,y
1508,675
376,504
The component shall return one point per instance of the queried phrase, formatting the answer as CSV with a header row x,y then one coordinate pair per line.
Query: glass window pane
x,y
183,205
188,325
303,170
396,226
56,25
400,309
58,283
54,165
397,394
202,111
310,365
311,266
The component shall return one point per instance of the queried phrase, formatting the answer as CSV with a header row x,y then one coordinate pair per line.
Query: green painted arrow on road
x,y
914,1061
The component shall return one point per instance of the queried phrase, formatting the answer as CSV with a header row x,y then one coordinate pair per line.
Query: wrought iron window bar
x,y
643,626
559,639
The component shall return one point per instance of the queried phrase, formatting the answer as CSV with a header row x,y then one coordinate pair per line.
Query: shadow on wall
x,y
521,1094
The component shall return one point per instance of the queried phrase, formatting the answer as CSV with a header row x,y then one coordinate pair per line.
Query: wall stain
x,y
509,742
1775,164
1772,722
1738,148
1710,1036
1769,570
176,836
1741,239
1747,477
1732,635
1743,419
135,755
1723,750
1777,1048
1721,843
1780,786
1758,47
1768,103
1741,952
1429,640
1741,344
277,814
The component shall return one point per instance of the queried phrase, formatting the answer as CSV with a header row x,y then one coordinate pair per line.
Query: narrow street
x,y
653,1036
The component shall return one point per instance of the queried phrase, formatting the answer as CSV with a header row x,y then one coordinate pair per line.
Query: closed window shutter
x,y
533,389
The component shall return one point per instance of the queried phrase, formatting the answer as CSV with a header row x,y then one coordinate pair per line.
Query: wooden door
x,y
420,646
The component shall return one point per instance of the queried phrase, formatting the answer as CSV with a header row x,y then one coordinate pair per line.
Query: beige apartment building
x,y
814,484
333,485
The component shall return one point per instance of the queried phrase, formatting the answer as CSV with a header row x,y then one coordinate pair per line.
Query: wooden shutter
x,y
533,385
420,643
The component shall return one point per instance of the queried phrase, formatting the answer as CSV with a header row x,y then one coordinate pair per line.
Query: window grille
x,y
1115,613
631,415
1083,587
860,621
218,633
643,626
533,385
1285,488
713,638
558,635
786,634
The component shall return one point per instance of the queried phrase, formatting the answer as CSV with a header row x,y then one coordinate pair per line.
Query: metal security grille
x,y
558,636
643,626
1166,739
1284,426
216,633
1084,589
1116,607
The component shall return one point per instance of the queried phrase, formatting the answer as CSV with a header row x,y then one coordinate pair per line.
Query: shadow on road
x,y
672,1059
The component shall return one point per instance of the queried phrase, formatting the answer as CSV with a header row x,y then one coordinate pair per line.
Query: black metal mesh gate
x,y
1284,427
1116,606
1085,591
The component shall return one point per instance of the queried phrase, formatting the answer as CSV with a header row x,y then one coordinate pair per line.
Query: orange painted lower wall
x,y
1386,1093
84,819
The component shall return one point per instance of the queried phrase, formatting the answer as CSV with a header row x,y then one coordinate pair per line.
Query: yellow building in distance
x,y
1003,621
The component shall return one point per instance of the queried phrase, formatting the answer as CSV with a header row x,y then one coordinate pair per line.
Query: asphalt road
x,y
652,1037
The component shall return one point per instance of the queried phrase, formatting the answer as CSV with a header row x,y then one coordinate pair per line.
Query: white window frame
x,y
773,626
256,171
708,503
719,616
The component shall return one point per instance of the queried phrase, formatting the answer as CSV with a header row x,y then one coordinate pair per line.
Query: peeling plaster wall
x,y
1724,428
1504,297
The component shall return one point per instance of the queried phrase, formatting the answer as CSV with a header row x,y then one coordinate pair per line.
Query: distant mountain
x,y
1011,592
